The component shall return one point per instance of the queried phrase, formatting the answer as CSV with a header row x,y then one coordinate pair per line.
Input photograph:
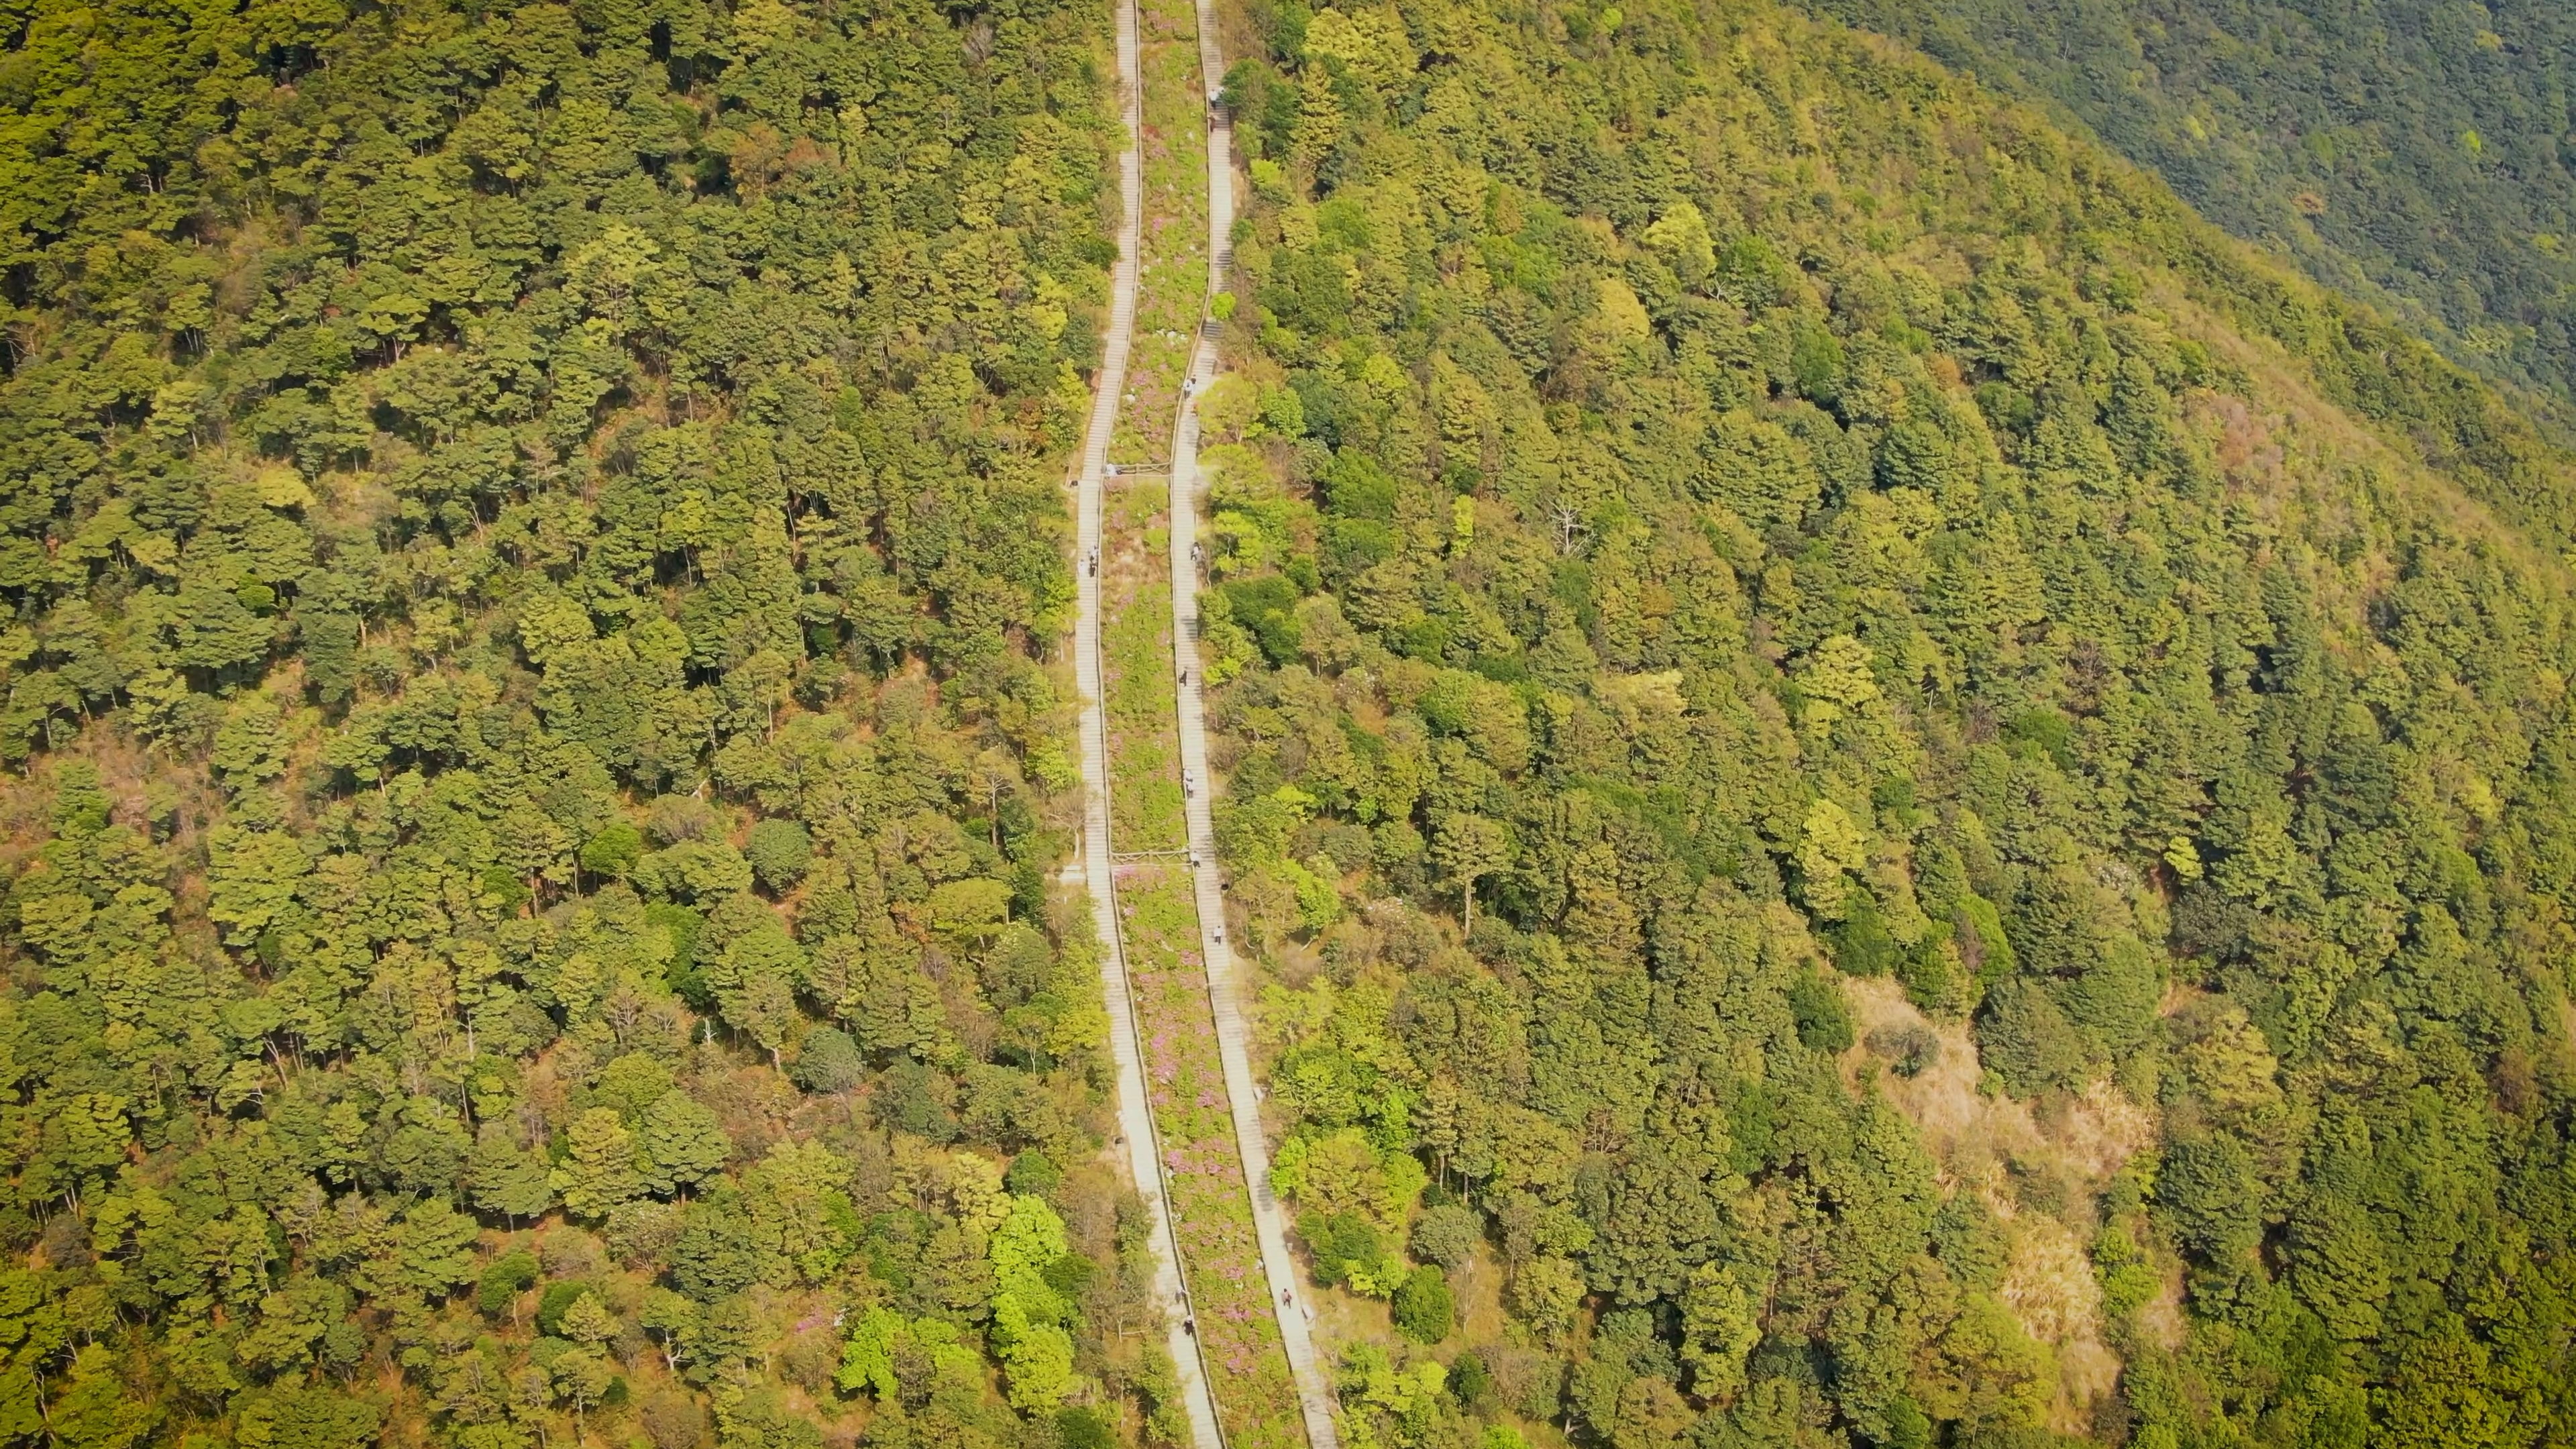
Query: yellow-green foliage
x,y
528,535
1785,516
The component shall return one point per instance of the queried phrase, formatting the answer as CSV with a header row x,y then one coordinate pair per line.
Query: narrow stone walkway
x,y
1287,1296
1135,1113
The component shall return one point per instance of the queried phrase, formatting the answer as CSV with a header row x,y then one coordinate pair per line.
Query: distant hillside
x,y
2422,149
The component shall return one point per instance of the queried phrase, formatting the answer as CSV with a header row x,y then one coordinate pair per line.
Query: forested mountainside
x,y
528,532
1919,791
2418,150
1892,797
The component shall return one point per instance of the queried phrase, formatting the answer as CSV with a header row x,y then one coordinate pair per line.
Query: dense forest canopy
x,y
2416,151
1890,795
527,535
1821,576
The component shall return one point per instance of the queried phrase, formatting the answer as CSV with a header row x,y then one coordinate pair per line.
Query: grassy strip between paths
x,y
1256,1396
1172,286
1144,748
1211,1208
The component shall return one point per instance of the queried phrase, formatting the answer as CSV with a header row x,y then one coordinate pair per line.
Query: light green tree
x,y
1467,848
1037,1358
867,1360
683,1143
589,1322
1720,1326
599,1172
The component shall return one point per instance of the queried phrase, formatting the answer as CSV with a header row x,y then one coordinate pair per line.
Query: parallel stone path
x,y
1314,1385
1135,1113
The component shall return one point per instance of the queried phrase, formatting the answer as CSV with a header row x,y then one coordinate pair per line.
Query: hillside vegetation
x,y
1894,796
528,532
1931,799
2415,151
